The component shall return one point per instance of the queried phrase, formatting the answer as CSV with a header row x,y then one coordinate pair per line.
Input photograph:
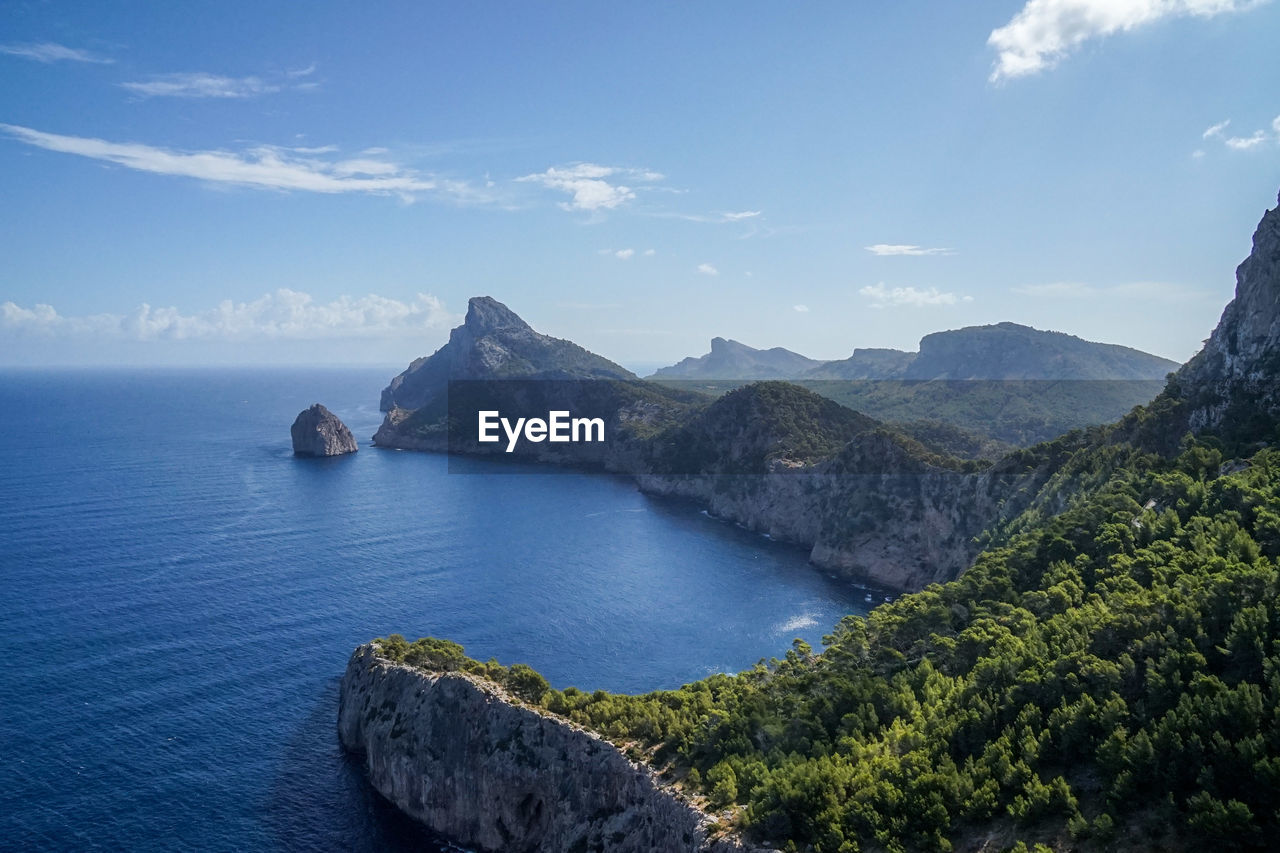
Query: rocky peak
x,y
486,315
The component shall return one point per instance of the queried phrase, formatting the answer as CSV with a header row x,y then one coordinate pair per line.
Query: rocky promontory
x,y
318,432
459,754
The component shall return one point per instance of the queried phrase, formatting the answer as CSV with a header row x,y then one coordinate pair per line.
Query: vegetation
x,y
1108,676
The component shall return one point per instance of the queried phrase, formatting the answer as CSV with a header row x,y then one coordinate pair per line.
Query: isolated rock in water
x,y
318,432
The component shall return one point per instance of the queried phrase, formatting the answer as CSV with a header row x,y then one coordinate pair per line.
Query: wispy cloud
x,y
721,218
260,167
885,297
284,314
803,309
48,52
708,269
624,254
1045,32
1256,140
892,249
200,85
1244,143
593,187
1215,130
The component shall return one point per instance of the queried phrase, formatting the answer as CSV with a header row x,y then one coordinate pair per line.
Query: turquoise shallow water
x,y
181,596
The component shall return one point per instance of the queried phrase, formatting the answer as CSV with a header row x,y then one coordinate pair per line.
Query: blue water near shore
x,y
181,595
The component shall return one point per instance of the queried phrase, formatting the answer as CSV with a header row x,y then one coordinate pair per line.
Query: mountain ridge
x,y
996,351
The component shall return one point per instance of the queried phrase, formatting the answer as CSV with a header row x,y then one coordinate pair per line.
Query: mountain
x,y
732,360
1011,351
999,352
494,343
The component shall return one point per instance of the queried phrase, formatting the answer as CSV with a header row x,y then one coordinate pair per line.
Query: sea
x,y
181,595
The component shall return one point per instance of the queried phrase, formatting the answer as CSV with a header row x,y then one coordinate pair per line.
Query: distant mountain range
x,y
997,352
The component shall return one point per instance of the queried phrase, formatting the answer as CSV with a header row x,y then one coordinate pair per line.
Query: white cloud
x,y
884,297
803,309
708,269
587,186
1044,32
649,253
50,52
284,314
740,215
262,167
1215,130
1198,153
892,249
624,254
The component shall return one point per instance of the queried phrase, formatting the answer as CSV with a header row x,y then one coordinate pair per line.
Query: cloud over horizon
x,y
283,314
1045,32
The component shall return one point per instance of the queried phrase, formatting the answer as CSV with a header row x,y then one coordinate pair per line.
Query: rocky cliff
x,y
318,432
1231,382
463,757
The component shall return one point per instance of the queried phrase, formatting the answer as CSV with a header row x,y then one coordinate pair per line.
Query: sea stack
x,y
318,432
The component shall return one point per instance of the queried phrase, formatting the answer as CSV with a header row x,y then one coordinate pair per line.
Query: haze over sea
x,y
182,594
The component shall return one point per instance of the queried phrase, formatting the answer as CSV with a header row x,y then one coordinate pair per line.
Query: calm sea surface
x,y
180,596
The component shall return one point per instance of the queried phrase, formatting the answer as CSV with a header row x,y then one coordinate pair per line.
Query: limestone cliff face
x,y
1233,377
318,432
457,754
870,514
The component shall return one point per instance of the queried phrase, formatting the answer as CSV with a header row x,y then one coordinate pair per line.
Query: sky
x,y
248,183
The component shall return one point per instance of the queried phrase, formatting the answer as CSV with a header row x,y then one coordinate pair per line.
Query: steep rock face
x,y
1232,379
733,360
318,432
494,343
457,754
873,513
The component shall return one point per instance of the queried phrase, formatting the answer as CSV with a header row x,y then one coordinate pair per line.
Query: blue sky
x,y
245,182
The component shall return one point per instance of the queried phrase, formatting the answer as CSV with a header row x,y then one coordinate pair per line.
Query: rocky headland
x,y
466,758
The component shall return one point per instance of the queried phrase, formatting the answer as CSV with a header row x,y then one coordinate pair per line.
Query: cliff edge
x,y
455,752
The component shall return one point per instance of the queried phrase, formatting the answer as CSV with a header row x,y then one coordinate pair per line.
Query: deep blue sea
x,y
180,596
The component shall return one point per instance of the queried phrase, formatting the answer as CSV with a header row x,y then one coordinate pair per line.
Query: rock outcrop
x,y
318,432
457,753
